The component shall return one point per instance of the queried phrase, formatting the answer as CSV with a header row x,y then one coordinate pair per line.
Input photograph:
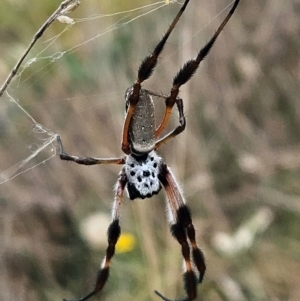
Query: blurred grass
x,y
238,156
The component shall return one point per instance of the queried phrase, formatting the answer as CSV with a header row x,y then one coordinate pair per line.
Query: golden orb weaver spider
x,y
144,173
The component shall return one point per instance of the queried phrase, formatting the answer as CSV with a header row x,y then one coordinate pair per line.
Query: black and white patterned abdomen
x,y
142,174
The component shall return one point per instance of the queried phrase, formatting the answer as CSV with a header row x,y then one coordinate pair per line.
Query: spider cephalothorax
x,y
144,172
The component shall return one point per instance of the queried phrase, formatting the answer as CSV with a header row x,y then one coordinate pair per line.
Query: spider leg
x,y
180,128
182,122
189,69
183,230
88,160
145,70
113,234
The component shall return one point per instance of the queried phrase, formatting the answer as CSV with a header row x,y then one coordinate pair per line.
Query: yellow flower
x,y
126,243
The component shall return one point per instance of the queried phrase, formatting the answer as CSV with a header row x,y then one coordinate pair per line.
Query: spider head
x,y
142,174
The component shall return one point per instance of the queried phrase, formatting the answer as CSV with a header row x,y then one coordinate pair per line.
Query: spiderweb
x,y
19,117
43,136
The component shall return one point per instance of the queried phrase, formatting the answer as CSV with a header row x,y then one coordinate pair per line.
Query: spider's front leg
x,y
113,234
183,230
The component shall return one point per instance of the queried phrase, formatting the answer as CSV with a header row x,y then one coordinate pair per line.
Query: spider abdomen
x,y
142,174
142,124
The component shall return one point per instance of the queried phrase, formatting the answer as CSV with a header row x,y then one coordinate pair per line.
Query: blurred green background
x,y
237,162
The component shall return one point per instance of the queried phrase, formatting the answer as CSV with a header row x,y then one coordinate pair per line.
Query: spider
x,y
144,173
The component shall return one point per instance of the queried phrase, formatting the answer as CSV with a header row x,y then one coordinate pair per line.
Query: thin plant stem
x,y
59,11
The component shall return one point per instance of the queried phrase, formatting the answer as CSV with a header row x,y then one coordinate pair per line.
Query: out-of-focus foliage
x,y
238,160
